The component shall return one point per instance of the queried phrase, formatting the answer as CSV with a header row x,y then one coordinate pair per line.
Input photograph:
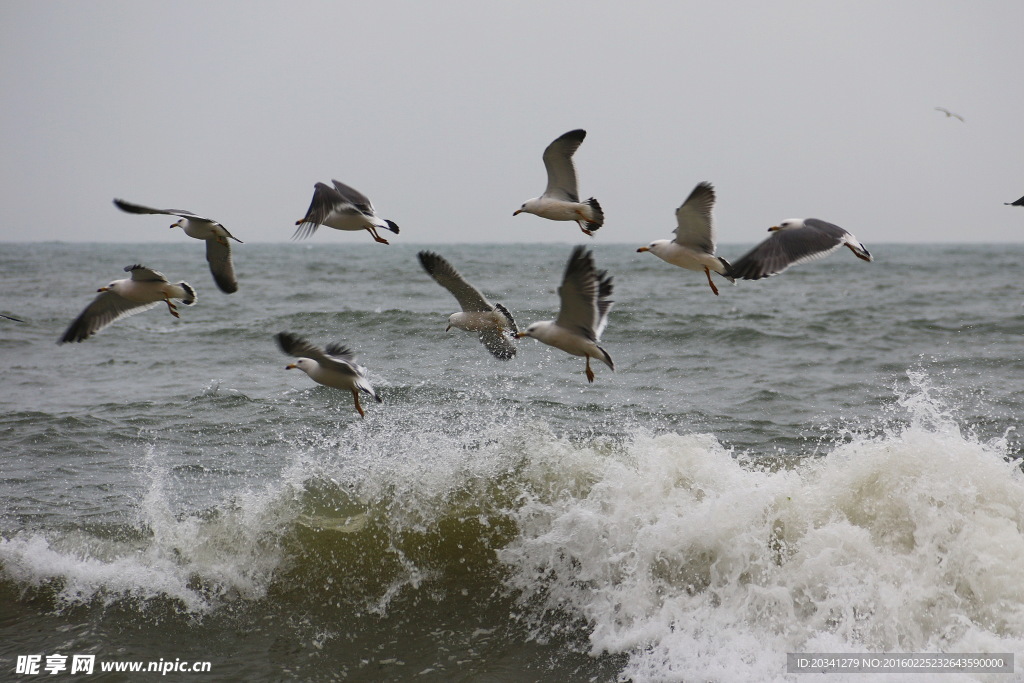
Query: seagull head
x,y
788,224
653,247
529,206
304,364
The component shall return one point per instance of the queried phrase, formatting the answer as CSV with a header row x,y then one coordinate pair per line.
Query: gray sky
x,y
439,112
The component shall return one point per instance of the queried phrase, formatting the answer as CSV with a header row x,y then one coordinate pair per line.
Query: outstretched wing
x,y
694,226
560,167
468,296
104,309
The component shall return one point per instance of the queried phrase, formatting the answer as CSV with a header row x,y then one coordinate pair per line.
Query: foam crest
x,y
697,565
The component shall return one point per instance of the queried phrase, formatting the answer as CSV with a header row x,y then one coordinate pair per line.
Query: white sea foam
x,y
700,568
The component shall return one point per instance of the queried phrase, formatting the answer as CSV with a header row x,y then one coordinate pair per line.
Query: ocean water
x,y
824,461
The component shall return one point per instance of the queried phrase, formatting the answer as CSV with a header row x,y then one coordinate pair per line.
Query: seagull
x,y
560,201
584,312
795,241
342,208
1019,202
948,113
478,314
694,245
216,236
144,290
333,366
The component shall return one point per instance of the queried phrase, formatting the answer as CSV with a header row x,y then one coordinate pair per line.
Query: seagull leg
x,y
376,236
708,273
171,307
582,223
856,253
355,395
590,373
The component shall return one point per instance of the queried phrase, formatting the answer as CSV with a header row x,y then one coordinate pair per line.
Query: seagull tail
x,y
727,273
190,294
859,250
392,226
596,218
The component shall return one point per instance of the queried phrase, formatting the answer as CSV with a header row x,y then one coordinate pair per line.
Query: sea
x,y
825,461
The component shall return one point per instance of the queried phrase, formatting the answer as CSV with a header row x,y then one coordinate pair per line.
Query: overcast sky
x,y
439,112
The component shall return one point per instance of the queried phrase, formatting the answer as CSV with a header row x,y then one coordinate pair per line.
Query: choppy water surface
x,y
824,461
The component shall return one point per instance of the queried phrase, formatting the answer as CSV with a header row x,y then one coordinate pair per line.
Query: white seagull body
x,y
694,245
795,241
492,322
216,236
583,314
561,200
142,291
342,208
333,366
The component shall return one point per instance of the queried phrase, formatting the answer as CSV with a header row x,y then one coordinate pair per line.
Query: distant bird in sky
x,y
342,208
561,200
492,322
694,245
795,241
334,366
949,114
142,291
583,314
216,236
1019,202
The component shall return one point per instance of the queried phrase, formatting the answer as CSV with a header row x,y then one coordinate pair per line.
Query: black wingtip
x,y
392,226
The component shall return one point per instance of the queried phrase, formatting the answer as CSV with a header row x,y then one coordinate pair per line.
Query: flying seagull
x,y
492,322
1019,202
583,314
561,201
342,208
949,114
334,366
795,241
216,236
142,291
694,245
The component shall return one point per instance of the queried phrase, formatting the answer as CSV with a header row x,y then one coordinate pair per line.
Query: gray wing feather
x,y
325,200
560,167
584,295
218,255
138,208
468,296
787,248
104,309
144,274
694,225
498,343
354,197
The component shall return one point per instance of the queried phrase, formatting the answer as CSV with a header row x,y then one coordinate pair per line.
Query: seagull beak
x,y
175,225
290,366
643,249
517,212
519,335
774,228
103,289
448,328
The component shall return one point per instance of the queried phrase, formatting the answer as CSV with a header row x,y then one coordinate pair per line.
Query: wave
x,y
673,554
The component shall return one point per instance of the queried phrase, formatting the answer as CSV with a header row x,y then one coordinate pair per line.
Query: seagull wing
x,y
498,343
355,198
561,171
326,200
695,228
104,309
1019,202
144,274
218,255
468,296
180,213
584,293
786,248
